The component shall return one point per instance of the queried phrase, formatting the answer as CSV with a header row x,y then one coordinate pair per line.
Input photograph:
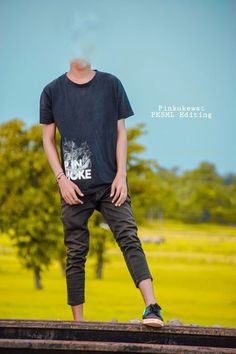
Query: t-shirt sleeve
x,y
124,109
45,107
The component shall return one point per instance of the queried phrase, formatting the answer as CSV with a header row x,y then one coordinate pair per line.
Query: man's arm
x,y
121,148
49,144
67,187
119,186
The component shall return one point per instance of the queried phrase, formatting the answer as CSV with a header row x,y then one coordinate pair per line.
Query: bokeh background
x,y
167,53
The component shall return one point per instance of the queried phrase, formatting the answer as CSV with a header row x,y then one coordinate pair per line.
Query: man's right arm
x,y
67,187
46,118
50,148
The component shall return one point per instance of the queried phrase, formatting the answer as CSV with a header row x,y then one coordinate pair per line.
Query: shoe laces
x,y
155,308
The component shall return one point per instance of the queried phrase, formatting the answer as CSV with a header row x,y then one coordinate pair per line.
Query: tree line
x,y
30,202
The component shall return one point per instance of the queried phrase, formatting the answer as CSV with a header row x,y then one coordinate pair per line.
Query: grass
x,y
193,271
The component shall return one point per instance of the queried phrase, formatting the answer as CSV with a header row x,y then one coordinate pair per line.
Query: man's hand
x,y
68,191
119,187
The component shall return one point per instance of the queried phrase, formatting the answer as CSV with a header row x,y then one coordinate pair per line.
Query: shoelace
x,y
155,308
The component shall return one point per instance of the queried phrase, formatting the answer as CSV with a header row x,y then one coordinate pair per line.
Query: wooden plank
x,y
30,346
117,326
102,334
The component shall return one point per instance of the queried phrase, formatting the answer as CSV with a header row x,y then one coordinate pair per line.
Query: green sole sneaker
x,y
152,316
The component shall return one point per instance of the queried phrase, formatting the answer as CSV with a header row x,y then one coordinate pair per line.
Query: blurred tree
x,y
29,207
204,197
150,184
100,239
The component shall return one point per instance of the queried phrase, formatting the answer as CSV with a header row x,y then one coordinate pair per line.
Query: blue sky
x,y
165,52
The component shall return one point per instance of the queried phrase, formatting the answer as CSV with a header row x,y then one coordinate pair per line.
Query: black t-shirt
x,y
86,116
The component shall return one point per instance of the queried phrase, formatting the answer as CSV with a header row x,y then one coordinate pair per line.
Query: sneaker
x,y
152,316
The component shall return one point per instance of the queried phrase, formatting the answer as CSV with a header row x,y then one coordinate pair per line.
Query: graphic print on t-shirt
x,y
77,160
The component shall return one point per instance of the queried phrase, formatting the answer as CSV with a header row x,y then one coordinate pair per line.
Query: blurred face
x,y
80,63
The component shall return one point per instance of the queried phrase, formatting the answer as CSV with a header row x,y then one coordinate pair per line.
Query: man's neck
x,y
80,73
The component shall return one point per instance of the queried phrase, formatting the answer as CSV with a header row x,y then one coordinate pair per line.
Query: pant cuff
x,y
145,276
72,303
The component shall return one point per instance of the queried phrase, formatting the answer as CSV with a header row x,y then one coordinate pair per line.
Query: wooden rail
x,y
56,336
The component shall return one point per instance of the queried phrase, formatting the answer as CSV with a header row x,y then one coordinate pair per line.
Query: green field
x,y
194,279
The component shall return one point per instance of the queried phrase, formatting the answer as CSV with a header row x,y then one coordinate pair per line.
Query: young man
x,y
89,108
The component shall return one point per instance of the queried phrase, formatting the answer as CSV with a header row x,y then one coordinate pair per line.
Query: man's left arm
x,y
119,185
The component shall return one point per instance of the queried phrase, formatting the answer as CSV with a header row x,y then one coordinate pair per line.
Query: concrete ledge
x,y
40,346
56,336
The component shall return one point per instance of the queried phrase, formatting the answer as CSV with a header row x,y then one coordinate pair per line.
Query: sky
x,y
173,53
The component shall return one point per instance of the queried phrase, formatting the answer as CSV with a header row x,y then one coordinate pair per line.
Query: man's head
x,y
80,63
